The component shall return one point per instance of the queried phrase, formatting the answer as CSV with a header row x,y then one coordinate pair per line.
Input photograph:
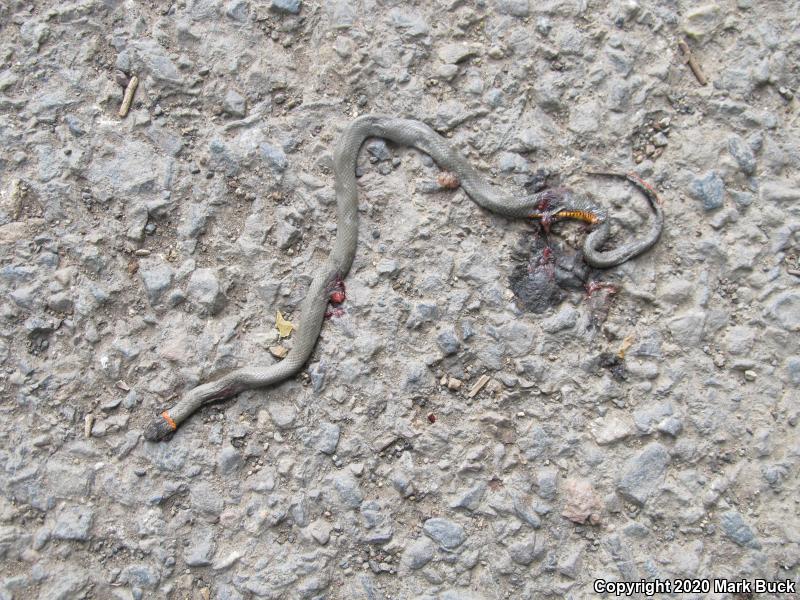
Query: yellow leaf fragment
x,y
626,343
284,327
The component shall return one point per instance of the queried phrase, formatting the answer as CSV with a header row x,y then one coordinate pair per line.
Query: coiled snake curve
x,y
553,203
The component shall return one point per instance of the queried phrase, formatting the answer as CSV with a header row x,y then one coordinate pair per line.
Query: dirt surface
x,y
448,439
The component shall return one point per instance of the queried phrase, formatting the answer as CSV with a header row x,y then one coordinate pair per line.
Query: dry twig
x,y
693,64
482,381
127,100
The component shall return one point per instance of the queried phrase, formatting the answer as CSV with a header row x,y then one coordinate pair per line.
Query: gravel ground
x,y
649,434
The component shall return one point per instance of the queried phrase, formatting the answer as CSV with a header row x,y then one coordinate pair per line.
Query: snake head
x,y
158,429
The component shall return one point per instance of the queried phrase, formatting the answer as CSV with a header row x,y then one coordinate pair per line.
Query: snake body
x,y
554,203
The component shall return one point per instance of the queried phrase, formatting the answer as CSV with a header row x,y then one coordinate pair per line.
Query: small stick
x,y
693,65
88,423
127,100
794,272
482,381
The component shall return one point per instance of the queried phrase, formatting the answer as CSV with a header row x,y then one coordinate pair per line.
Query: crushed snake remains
x,y
547,205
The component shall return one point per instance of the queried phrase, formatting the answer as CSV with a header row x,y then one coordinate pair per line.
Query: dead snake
x,y
553,203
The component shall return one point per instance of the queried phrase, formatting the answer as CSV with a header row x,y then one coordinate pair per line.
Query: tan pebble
x,y
88,423
454,384
278,351
448,180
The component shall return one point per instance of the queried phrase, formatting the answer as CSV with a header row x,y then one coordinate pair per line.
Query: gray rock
x,y
737,530
193,220
458,594
511,162
325,438
74,523
448,534
320,531
200,550
291,7
530,140
263,481
671,426
222,158
283,414
167,460
287,230
455,53
687,328
566,318
741,151
342,13
710,189
63,586
234,104
61,302
774,474
422,314
402,482
237,10
785,309
205,498
140,575
739,340
742,199
534,443
547,483
448,342
378,150
229,460
387,267
411,24
225,591
635,530
348,490
34,32
780,192
527,550
205,291
569,563
648,416
157,278
701,21
111,424
378,525
526,511
25,296
418,554
583,118
516,8
643,473
416,376
156,60
793,370
275,157
470,499
299,510
8,79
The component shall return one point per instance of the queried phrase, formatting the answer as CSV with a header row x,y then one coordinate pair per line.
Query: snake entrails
x,y
546,205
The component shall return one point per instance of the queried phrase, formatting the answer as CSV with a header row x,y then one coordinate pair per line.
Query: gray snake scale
x,y
548,204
